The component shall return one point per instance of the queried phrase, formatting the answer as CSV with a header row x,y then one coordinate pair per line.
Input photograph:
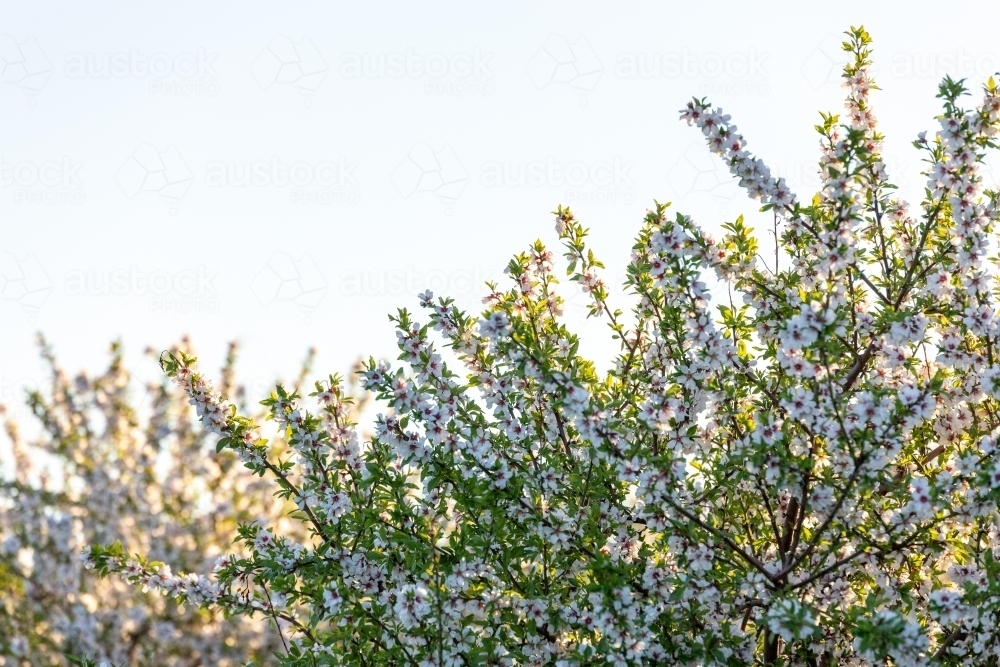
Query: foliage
x,y
108,465
805,475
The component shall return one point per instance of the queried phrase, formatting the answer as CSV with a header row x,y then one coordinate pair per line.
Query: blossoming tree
x,y
805,474
105,466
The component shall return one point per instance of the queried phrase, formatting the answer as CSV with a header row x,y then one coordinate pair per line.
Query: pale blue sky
x,y
165,166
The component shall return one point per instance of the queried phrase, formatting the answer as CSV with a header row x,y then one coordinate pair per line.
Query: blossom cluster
x,y
806,474
103,463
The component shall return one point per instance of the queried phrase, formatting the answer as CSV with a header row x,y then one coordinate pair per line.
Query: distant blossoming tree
x,y
805,474
103,468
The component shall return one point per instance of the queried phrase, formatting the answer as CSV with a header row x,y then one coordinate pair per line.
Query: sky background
x,y
287,174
